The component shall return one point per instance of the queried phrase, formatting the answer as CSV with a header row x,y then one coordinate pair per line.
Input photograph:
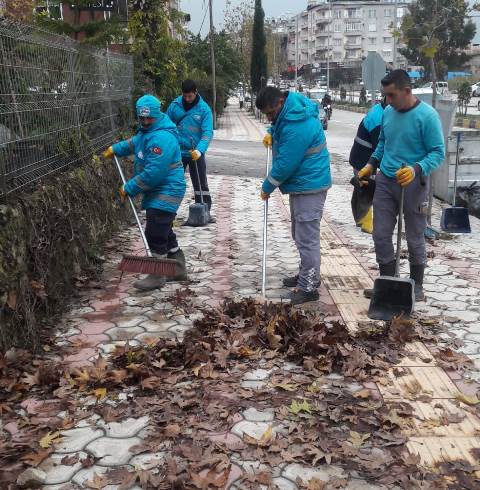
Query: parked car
x,y
476,89
322,115
442,88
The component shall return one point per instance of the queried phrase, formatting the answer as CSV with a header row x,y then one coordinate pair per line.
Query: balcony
x,y
322,33
352,46
355,32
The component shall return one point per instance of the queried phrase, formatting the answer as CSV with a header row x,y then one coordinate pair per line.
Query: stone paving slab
x,y
223,260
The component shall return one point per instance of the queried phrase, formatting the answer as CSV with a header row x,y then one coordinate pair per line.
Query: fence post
x,y
74,92
109,95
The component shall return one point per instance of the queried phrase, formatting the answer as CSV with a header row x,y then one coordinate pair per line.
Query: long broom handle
x,y
265,231
194,162
457,162
137,219
399,232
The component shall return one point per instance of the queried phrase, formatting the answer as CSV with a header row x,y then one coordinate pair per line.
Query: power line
x,y
205,6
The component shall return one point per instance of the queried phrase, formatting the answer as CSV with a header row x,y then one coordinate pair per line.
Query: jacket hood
x,y
148,106
298,108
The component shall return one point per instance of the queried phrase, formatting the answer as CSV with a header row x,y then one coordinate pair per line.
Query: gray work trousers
x,y
386,202
306,211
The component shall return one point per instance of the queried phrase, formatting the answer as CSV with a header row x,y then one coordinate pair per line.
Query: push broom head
x,y
148,265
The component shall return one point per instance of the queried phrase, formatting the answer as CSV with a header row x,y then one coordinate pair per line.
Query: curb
x,y
465,122
360,110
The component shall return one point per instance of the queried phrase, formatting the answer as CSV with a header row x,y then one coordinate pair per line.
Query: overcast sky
x,y
196,9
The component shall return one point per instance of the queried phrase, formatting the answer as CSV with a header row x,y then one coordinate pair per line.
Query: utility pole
x,y
328,44
296,52
212,55
395,26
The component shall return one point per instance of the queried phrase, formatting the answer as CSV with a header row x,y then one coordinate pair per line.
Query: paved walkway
x,y
224,260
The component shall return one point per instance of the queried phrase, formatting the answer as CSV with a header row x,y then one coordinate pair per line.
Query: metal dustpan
x,y
393,296
198,213
456,219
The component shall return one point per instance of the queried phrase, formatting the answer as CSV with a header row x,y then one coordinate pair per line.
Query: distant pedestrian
x,y
300,168
242,100
194,121
411,135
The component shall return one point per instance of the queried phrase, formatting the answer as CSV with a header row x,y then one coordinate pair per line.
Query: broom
x,y
149,264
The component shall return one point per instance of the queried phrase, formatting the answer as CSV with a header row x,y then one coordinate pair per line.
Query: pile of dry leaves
x,y
193,392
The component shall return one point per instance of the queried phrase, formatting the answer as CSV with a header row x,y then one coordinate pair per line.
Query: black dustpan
x,y
456,219
198,213
393,296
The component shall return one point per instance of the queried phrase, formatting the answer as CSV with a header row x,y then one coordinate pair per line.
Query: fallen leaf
x,y
356,439
97,482
48,439
265,440
286,386
365,393
151,383
70,460
100,393
468,400
273,339
296,407
34,459
172,430
245,351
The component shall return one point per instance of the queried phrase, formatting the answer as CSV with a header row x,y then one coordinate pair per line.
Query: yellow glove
x,y
264,196
196,155
108,153
267,140
123,194
405,176
365,172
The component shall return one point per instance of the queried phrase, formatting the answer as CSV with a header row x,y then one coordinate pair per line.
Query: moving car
x,y
442,88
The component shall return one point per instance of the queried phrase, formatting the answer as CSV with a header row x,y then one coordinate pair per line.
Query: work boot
x,y
181,269
150,283
291,282
298,296
385,270
416,273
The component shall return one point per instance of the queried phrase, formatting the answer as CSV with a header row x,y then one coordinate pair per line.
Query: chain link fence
x,y
60,101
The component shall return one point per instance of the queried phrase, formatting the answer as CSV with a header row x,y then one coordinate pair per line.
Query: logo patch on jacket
x,y
140,155
197,117
144,111
157,150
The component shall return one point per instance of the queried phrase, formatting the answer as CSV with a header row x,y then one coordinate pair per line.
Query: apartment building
x,y
345,31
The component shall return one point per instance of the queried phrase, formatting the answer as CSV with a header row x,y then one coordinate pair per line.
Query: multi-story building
x,y
345,31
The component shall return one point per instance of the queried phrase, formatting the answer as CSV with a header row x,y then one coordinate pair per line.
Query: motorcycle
x,y
328,110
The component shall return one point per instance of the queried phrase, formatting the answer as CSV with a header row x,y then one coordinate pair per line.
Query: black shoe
x,y
291,282
298,296
385,270
211,219
181,270
417,273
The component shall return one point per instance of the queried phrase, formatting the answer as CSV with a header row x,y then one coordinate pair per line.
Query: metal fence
x,y
59,102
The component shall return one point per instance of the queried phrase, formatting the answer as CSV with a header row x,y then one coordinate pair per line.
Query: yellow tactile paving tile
x,y
353,312
349,296
442,418
434,450
418,381
418,356
344,283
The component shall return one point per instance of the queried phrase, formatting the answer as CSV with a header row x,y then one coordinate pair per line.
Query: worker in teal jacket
x,y
300,168
159,175
411,146
194,121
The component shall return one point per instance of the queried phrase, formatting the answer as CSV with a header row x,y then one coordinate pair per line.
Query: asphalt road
x,y
247,158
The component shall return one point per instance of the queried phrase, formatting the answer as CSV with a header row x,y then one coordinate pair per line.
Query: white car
x,y
442,88
476,90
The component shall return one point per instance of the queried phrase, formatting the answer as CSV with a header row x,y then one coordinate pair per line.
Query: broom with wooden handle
x,y
140,264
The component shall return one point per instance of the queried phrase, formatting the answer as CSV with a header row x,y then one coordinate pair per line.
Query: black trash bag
x,y
469,197
362,198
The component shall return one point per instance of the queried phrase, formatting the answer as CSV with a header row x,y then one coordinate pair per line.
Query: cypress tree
x,y
259,55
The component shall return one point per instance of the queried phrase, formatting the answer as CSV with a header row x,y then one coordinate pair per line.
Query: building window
x,y
372,40
337,27
372,14
353,13
353,26
389,25
372,27
387,40
388,12
337,14
337,42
